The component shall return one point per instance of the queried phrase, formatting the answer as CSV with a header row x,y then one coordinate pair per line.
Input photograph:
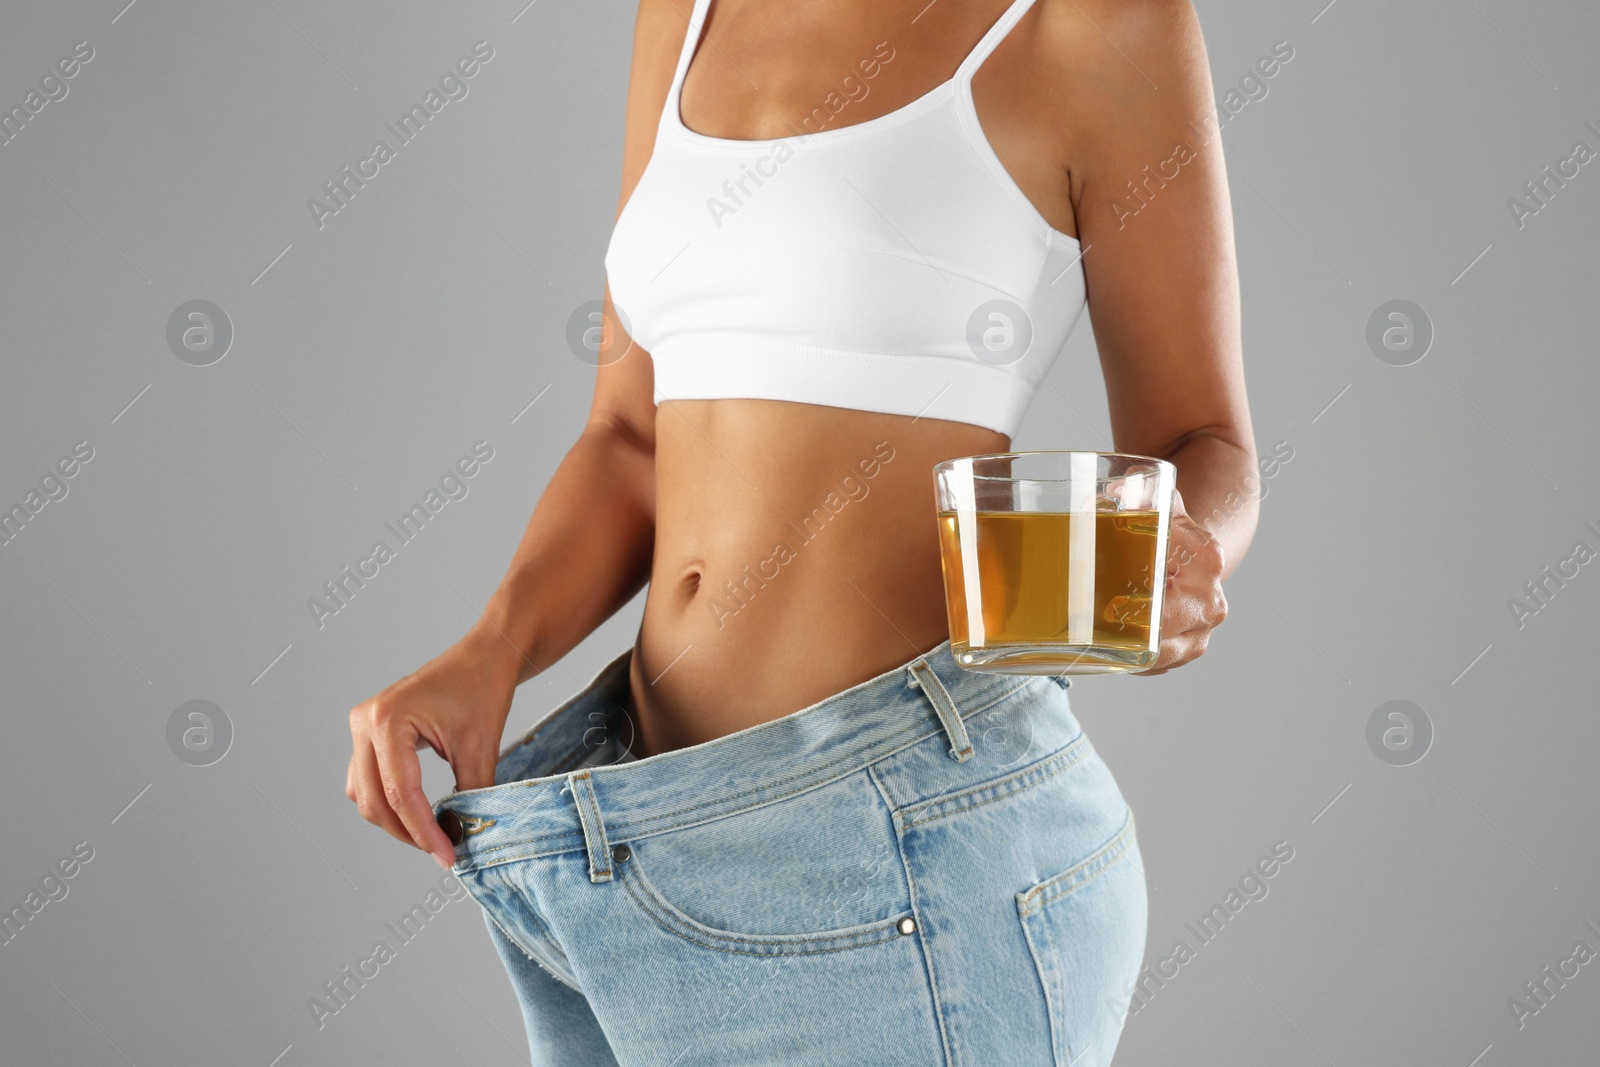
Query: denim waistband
x,y
541,805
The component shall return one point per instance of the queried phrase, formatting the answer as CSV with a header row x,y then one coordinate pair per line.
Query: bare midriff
x,y
796,555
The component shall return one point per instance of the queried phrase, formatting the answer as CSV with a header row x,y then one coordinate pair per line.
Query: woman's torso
x,y
796,555
796,547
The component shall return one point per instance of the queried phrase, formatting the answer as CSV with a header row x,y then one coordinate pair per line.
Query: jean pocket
x,y
816,872
677,921
1085,929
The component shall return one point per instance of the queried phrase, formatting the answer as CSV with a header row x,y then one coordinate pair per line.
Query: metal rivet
x,y
621,853
907,926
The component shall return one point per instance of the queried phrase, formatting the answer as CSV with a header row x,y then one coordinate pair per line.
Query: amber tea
x,y
1027,592
1052,571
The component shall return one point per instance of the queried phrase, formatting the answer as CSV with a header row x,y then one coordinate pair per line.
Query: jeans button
x,y
450,823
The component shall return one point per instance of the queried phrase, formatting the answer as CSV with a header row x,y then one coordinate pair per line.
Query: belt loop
x,y
594,827
922,675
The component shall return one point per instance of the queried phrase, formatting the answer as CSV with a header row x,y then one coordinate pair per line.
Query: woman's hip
x,y
890,875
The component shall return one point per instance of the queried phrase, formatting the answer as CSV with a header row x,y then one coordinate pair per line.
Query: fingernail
x,y
444,863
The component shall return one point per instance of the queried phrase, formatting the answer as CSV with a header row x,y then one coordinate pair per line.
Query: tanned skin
x,y
1076,101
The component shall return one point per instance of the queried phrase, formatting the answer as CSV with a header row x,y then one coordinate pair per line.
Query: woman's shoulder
x,y
1121,75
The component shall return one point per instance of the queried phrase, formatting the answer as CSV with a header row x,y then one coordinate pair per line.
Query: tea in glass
x,y
1054,562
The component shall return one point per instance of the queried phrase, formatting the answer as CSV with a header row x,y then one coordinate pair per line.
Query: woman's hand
x,y
457,704
1193,604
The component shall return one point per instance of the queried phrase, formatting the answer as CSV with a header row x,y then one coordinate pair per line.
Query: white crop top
x,y
890,265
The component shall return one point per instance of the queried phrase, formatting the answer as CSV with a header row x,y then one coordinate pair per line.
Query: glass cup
x,y
1054,562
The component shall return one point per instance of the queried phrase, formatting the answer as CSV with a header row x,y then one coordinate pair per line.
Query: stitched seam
x,y
1010,786
651,906
796,951
852,770
524,852
515,888
643,827
549,935
1124,839
533,846
944,704
521,856
1044,985
675,914
507,934
1070,881
544,927
599,829
894,812
927,958
517,941
533,912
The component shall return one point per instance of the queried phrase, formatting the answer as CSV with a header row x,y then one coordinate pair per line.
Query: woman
x,y
785,826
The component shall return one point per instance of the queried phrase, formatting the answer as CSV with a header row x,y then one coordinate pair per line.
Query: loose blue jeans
x,y
933,867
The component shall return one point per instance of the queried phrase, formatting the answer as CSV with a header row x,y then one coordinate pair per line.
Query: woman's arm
x,y
587,549
1150,193
585,553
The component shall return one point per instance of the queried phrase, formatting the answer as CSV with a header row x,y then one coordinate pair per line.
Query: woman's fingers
x,y
1178,649
475,768
456,705
394,742
368,791
387,791
1194,605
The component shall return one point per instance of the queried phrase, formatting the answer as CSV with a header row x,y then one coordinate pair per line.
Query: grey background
x,y
430,312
